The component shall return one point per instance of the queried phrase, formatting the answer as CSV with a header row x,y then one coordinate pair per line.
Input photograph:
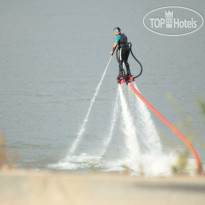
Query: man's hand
x,y
113,48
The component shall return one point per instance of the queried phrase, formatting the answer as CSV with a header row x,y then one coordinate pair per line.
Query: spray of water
x,y
129,129
113,123
135,125
82,129
84,160
149,132
153,160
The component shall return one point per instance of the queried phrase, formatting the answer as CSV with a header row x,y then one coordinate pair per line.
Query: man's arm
x,y
113,48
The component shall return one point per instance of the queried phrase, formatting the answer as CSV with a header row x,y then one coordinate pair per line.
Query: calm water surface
x,y
52,56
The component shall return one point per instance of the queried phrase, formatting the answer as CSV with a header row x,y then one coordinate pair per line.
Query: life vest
x,y
123,43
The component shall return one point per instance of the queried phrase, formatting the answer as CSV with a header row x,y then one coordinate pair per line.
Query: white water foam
x,y
74,162
82,129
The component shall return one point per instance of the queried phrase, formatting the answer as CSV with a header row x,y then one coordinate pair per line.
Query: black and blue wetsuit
x,y
123,53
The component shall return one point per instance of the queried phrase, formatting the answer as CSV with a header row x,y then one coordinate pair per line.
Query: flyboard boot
x,y
129,77
120,77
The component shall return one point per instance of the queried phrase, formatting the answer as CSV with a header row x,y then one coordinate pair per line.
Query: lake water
x,y
53,54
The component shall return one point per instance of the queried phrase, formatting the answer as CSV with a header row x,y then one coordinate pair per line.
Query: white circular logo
x,y
173,21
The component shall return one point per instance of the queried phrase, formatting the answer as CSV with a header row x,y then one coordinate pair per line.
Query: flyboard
x,y
128,79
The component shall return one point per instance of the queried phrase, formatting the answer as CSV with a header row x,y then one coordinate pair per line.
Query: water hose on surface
x,y
171,126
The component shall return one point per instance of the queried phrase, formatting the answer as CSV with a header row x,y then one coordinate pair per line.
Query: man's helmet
x,y
116,29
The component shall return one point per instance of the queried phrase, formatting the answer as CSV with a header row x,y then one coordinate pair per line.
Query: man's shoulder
x,y
118,37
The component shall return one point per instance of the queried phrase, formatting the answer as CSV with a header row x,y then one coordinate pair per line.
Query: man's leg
x,y
127,68
121,70
125,55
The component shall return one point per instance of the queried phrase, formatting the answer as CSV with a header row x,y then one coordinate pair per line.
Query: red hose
x,y
171,126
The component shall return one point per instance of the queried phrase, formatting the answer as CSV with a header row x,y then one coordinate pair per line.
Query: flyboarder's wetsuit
x,y
123,53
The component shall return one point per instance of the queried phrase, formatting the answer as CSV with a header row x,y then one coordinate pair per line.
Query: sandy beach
x,y
29,187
